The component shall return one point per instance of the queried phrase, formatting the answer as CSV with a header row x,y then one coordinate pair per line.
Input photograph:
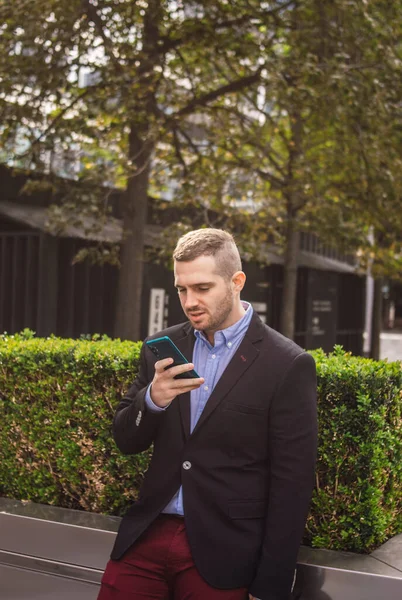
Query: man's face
x,y
207,299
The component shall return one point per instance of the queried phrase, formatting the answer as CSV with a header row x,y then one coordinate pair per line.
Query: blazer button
x,y
187,465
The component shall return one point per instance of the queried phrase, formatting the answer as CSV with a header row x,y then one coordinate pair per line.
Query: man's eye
x,y
204,289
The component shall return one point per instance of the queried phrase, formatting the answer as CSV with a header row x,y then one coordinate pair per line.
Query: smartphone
x,y
163,347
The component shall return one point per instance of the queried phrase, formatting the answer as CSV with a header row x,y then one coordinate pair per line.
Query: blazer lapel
x,y
241,361
186,346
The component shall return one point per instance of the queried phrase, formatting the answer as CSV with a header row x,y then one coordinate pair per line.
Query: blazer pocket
x,y
247,509
244,409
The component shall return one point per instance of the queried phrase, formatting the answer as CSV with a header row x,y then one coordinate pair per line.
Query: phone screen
x,y
164,348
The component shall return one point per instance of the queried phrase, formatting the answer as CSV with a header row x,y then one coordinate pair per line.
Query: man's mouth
x,y
195,315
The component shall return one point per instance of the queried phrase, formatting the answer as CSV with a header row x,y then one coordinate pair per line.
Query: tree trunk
x,y
128,309
294,203
141,145
377,320
288,314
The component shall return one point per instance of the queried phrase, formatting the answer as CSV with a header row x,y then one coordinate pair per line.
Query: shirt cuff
x,y
150,405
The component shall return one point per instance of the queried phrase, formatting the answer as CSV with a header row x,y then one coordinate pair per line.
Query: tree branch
x,y
55,121
177,148
241,162
246,123
233,86
192,145
170,44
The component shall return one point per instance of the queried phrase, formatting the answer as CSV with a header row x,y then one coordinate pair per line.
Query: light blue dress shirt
x,y
210,362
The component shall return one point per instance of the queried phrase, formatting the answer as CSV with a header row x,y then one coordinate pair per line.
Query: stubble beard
x,y
218,319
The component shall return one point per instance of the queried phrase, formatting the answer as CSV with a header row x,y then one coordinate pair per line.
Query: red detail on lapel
x,y
244,359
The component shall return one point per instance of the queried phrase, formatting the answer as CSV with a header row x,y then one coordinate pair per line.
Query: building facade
x,y
41,289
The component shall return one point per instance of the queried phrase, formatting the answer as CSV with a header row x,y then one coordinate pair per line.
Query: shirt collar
x,y
226,336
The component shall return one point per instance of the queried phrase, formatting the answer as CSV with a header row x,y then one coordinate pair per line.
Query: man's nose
x,y
191,300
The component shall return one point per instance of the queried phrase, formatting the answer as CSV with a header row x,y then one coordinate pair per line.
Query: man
x,y
222,509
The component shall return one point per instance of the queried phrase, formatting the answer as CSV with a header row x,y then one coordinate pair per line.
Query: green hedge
x,y
357,503
57,398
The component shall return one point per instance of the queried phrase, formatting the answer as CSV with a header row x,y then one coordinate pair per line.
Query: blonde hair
x,y
210,242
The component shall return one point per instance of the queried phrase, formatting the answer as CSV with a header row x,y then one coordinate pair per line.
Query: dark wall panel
x,y
86,295
19,272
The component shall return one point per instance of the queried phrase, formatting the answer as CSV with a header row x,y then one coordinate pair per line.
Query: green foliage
x,y
357,503
291,107
318,146
58,398
57,401
149,67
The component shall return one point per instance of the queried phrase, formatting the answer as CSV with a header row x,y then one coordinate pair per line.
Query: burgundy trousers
x,y
159,566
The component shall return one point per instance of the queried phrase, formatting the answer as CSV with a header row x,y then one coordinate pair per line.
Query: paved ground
x,y
390,553
391,345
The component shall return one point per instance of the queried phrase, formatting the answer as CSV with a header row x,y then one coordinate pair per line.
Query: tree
x,y
369,161
152,63
241,98
295,143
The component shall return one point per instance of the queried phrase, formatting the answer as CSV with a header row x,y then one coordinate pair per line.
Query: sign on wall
x,y
156,310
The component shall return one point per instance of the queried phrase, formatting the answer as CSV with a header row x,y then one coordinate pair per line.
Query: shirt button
x,y
206,388
214,356
187,465
229,344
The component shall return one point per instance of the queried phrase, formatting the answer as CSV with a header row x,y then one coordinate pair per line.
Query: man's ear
x,y
238,281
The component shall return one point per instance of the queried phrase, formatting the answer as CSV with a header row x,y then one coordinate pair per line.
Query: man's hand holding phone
x,y
164,385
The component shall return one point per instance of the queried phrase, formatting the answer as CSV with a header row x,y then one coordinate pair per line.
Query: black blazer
x,y
252,457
